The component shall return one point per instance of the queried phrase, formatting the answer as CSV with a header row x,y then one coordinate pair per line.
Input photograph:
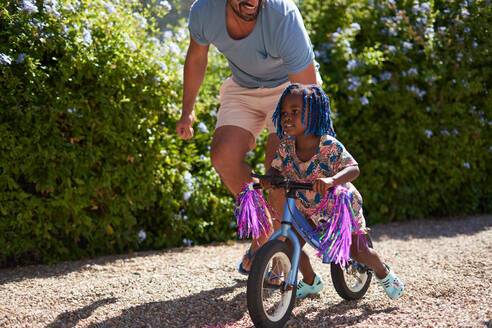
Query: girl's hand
x,y
322,185
265,184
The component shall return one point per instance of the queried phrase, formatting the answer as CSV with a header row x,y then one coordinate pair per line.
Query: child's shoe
x,y
391,284
304,289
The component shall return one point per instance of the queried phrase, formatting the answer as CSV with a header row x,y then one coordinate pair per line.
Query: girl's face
x,y
291,115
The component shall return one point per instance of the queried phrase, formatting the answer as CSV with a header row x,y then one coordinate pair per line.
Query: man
x,y
267,47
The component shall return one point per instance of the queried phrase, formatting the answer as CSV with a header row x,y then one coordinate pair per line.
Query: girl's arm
x,y
348,174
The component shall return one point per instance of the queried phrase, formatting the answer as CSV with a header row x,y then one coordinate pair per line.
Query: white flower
x,y
167,35
165,5
141,236
141,19
187,195
5,59
407,45
86,34
445,132
355,26
467,165
174,47
130,44
428,133
189,180
109,7
29,6
203,127
50,6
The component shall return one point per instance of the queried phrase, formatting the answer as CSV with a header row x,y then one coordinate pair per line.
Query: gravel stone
x,y
446,266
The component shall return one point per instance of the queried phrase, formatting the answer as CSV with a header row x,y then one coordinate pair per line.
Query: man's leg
x,y
228,150
276,197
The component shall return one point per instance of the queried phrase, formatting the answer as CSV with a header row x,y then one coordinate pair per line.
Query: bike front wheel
x,y
269,305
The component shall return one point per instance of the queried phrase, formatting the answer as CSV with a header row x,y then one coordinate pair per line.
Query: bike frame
x,y
286,231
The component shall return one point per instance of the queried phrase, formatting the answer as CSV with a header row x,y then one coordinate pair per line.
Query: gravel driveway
x,y
446,266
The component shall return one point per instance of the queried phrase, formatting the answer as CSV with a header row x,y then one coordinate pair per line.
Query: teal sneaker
x,y
392,284
304,289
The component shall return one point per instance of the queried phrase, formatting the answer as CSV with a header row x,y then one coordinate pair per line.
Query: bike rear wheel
x,y
352,282
269,305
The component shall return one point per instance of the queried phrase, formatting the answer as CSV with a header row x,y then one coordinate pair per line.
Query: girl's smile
x,y
291,115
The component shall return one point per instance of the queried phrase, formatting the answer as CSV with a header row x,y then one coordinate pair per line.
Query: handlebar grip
x,y
256,186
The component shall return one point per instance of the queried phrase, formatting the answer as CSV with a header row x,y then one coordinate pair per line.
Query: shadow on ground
x,y
425,229
173,313
336,315
211,308
429,229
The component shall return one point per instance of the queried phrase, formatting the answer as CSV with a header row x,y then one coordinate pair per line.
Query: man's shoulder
x,y
204,5
280,8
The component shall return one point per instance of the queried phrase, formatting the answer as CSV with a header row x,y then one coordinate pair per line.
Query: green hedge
x,y
410,85
91,92
89,162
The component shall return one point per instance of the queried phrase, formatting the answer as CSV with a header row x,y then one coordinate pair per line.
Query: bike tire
x,y
352,282
261,298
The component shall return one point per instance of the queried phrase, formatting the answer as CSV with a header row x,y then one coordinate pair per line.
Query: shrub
x,y
409,81
89,163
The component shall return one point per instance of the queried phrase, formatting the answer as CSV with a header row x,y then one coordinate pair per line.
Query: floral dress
x,y
330,158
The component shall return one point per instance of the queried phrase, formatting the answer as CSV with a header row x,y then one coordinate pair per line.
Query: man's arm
x,y
306,76
194,71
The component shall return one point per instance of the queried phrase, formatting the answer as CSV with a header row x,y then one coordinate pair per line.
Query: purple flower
x,y
20,57
385,76
428,133
141,236
363,100
203,127
29,7
86,35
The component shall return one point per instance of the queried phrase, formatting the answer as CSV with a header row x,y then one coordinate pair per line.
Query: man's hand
x,y
322,185
184,128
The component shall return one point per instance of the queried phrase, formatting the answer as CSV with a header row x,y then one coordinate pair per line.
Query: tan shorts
x,y
250,109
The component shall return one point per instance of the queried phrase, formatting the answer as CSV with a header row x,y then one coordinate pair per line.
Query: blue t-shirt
x,y
278,45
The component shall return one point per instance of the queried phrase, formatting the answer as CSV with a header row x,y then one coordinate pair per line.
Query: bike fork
x,y
287,232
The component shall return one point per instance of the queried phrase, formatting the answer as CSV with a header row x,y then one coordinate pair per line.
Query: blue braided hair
x,y
315,103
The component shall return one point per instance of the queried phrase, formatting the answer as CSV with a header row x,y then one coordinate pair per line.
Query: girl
x,y
309,152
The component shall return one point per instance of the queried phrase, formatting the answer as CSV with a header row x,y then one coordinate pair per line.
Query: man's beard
x,y
245,17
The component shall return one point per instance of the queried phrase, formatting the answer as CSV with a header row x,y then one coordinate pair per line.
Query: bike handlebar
x,y
279,181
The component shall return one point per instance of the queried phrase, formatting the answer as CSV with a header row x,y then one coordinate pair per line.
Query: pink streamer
x,y
249,209
336,231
